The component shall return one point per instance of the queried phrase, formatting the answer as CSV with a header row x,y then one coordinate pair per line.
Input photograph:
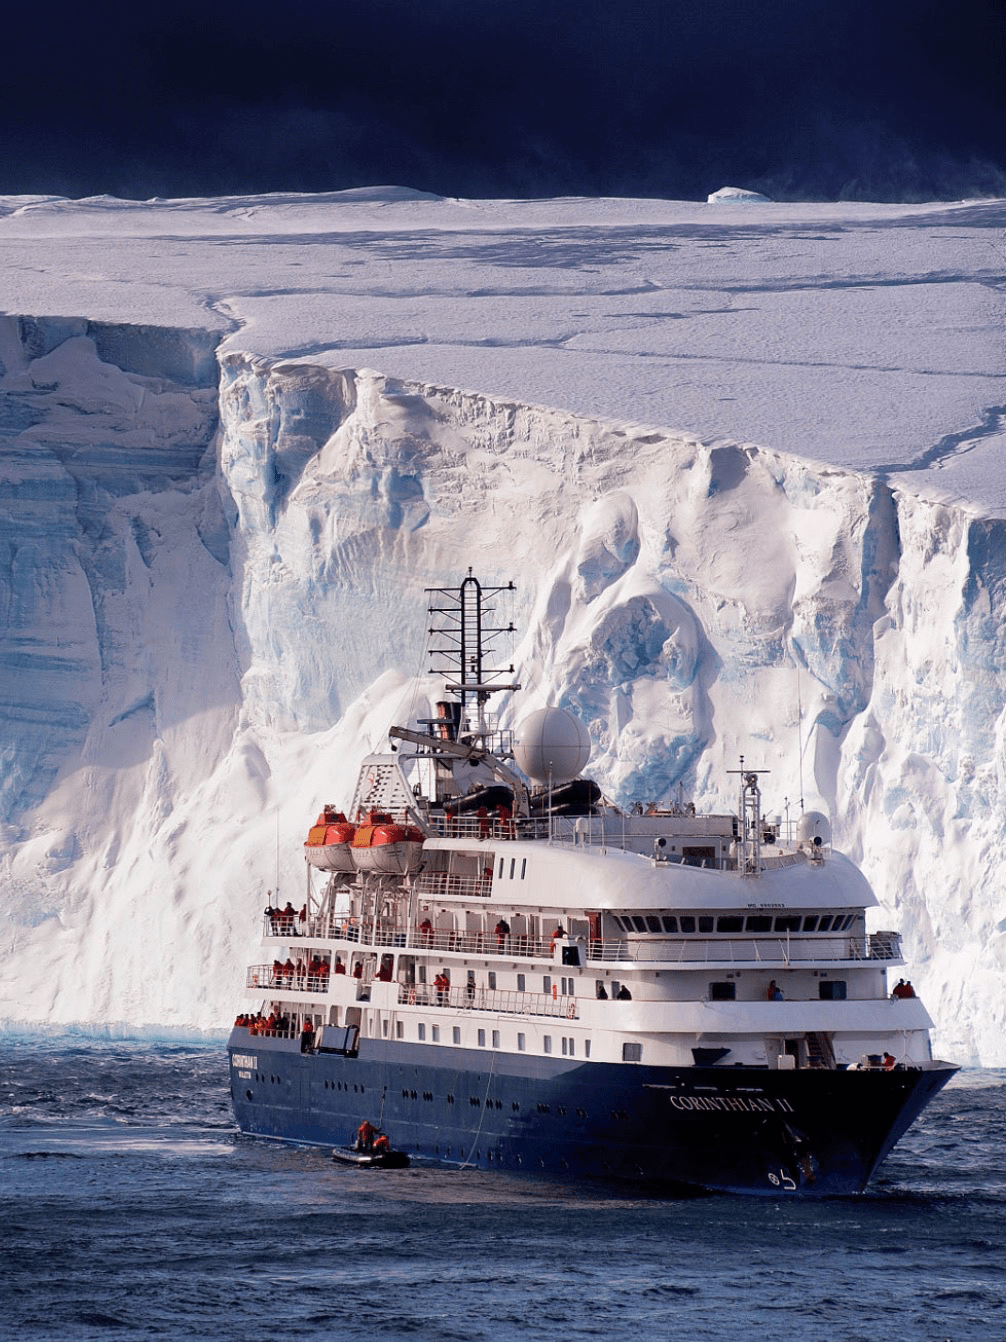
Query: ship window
x,y
513,867
825,923
521,1042
632,1052
422,1030
457,1034
565,1045
435,1034
832,990
586,1048
492,978
722,991
848,921
572,1047
730,923
523,867
546,984
810,924
652,923
496,1039
687,923
482,1038
502,860
399,1029
705,924
521,982
546,1043
638,923
670,924
759,922
788,923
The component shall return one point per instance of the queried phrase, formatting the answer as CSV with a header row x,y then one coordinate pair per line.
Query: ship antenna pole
x,y
799,733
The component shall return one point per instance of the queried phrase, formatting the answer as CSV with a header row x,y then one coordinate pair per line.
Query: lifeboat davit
x,y
329,842
381,844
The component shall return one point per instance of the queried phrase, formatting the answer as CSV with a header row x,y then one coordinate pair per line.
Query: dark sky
x,y
803,99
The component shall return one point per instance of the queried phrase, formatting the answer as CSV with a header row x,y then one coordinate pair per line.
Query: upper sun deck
x,y
567,870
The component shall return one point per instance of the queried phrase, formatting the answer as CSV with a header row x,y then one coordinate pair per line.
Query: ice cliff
x,y
211,585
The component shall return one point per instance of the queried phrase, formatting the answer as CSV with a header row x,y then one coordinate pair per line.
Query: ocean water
x,y
131,1208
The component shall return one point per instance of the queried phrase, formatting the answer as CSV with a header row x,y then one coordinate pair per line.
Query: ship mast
x,y
460,619
749,855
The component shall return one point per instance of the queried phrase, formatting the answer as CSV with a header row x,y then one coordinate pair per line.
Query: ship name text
x,y
736,1103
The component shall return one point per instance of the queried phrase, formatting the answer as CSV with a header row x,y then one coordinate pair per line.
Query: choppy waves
x,y
132,1208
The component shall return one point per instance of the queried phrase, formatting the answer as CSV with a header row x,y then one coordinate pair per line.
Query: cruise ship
x,y
497,967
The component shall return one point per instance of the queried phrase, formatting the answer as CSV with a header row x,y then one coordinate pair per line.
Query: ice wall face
x,y
690,602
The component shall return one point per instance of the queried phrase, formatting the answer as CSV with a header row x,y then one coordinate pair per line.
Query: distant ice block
x,y
734,193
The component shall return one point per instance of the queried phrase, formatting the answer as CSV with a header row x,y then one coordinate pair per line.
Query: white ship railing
x,y
748,950
771,950
457,887
473,998
264,976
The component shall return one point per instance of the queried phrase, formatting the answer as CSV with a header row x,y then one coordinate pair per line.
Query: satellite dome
x,y
552,745
813,826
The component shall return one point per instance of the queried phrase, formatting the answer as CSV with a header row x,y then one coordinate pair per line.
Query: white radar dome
x,y
552,745
812,826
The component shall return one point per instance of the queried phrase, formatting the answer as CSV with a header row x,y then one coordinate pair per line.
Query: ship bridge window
x,y
652,923
788,923
670,924
759,922
825,923
687,922
730,923
638,923
810,924
705,924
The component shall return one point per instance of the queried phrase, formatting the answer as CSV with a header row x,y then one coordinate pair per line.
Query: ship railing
x,y
264,976
480,943
283,925
471,826
749,950
470,997
457,887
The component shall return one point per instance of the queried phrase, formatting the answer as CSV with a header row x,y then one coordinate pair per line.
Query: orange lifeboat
x,y
382,844
329,842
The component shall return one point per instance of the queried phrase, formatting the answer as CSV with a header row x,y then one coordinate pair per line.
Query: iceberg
x,y
214,550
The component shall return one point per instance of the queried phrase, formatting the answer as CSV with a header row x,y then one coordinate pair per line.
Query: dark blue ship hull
x,y
814,1132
